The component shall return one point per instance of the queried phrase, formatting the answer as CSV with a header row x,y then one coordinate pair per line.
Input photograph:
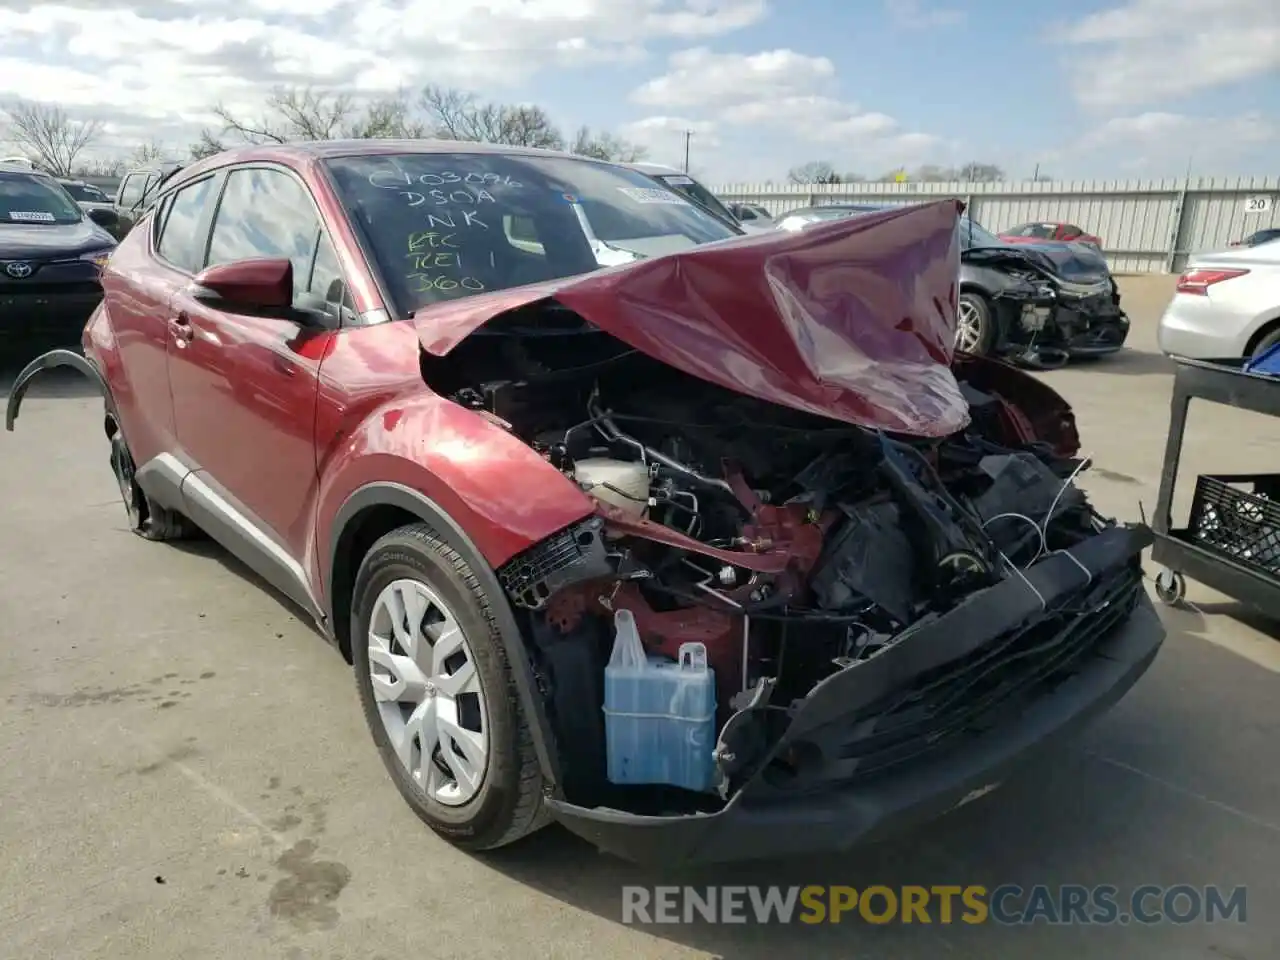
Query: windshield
x,y
25,198
973,236
696,191
447,225
86,192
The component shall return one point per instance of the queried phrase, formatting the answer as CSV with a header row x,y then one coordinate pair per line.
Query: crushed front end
x,y
889,620
1050,315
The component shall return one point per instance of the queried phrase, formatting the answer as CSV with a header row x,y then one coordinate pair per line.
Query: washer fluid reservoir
x,y
620,483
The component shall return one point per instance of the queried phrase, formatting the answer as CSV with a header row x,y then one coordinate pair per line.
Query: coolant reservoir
x,y
619,483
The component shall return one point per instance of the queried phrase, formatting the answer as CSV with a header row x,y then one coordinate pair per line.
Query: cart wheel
x,y
1171,586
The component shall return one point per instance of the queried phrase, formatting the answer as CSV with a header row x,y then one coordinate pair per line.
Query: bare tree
x,y
206,146
149,152
815,171
48,136
101,167
305,113
978,172
458,115
606,146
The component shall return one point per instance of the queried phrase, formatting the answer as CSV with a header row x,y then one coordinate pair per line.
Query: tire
x,y
506,805
147,519
975,325
1266,343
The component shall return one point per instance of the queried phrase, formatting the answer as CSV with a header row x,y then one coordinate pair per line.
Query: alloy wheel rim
x,y
968,327
427,689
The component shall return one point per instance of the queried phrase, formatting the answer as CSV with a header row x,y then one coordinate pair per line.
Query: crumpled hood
x,y
852,319
1077,262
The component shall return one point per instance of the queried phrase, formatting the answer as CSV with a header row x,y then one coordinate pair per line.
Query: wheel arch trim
x,y
387,494
48,361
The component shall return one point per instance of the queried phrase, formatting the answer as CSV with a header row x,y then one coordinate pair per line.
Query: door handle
x,y
287,367
180,329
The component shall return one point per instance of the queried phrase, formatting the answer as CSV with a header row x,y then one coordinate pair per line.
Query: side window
x,y
266,213
746,213
1069,230
148,191
326,281
181,242
130,191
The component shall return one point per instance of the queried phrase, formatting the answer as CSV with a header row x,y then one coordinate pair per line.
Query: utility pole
x,y
687,135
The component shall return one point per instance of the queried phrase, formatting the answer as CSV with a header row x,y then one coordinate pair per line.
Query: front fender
x,y
494,486
48,361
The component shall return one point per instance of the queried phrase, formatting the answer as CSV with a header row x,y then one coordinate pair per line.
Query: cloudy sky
x,y
1091,88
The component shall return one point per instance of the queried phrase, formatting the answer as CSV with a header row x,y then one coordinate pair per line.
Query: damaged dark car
x,y
1039,305
707,547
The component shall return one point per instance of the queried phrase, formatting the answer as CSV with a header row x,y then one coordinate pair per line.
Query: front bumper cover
x,y
1115,638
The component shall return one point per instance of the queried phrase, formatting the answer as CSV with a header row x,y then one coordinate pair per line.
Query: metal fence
x,y
1146,226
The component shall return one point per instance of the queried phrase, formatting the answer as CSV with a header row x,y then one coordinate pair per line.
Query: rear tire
x,y
426,691
1268,341
975,325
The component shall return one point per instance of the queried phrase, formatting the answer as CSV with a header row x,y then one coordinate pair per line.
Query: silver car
x,y
1227,305
682,183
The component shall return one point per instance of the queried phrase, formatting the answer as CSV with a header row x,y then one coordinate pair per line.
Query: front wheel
x,y
147,518
438,693
975,326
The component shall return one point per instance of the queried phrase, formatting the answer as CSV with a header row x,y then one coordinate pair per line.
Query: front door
x,y
244,386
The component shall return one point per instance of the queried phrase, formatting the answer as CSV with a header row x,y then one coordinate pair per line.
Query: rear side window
x,y
131,190
266,213
181,241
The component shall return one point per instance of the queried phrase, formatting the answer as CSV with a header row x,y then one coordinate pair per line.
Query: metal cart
x,y
1232,539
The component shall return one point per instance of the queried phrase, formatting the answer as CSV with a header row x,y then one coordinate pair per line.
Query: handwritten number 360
x,y
424,283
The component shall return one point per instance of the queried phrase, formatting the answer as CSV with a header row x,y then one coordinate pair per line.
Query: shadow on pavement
x,y
1101,810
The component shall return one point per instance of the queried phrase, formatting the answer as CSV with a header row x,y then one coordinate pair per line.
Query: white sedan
x,y
1227,305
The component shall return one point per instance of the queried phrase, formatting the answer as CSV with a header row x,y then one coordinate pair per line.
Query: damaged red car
x,y
705,546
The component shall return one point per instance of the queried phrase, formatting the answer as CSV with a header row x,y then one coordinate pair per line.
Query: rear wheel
x,y
1268,340
975,326
438,693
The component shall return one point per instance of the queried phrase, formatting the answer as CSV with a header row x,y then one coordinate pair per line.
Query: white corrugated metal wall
x,y
1146,226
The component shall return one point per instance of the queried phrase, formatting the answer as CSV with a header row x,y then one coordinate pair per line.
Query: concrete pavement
x,y
185,773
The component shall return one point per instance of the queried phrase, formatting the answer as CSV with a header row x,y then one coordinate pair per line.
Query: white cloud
x,y
782,94
700,78
1146,51
159,65
915,15
1159,144
664,136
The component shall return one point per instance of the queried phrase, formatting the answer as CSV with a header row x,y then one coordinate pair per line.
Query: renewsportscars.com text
x,y
1007,904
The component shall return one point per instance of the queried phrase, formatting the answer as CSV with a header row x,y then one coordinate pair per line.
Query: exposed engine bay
x,y
790,547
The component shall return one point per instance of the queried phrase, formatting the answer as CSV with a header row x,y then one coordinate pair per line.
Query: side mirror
x,y
260,284
105,218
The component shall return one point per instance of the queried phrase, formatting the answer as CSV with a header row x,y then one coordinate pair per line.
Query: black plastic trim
x,y
431,513
47,361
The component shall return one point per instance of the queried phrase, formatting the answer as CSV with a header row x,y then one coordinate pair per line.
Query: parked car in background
x,y
138,190
537,503
1041,231
93,200
801,217
1041,304
51,251
1226,305
1266,235
753,214
682,183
